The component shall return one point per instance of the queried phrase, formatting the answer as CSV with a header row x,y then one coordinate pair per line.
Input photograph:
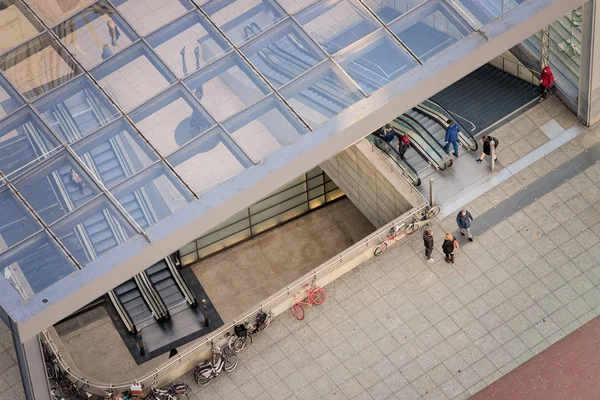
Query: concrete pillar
x,y
375,187
32,368
588,109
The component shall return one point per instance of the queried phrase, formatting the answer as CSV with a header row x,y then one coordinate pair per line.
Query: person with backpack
x,y
546,82
428,242
487,148
403,144
387,133
463,220
452,137
450,244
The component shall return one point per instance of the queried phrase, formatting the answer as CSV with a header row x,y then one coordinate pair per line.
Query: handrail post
x,y
493,155
431,180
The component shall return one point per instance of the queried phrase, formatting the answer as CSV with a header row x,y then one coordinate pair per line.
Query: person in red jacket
x,y
546,82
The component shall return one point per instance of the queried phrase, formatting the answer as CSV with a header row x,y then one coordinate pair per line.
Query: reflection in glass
x,y
152,196
9,99
34,265
93,230
209,160
54,11
390,10
56,188
146,16
16,222
16,25
484,11
429,29
291,6
133,76
115,153
335,24
321,94
38,66
172,119
264,128
235,17
76,109
23,140
283,53
375,61
187,44
227,87
95,34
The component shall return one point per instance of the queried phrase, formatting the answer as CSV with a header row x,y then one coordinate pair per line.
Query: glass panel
x,y
95,34
17,25
291,6
38,66
388,10
146,16
9,98
115,153
56,188
285,212
375,61
264,128
239,18
335,24
321,94
188,44
16,222
430,29
133,76
93,230
152,195
23,140
230,86
283,53
290,190
172,119
54,11
76,109
209,160
34,265
482,12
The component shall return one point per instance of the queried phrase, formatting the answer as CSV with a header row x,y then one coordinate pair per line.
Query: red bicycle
x,y
315,295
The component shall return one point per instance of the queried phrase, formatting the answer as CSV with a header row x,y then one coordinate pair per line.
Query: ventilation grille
x,y
86,318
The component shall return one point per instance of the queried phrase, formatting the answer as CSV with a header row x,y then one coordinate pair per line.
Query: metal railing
x,y
284,294
516,69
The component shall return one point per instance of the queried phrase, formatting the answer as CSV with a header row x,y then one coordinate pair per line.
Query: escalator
x,y
423,141
408,170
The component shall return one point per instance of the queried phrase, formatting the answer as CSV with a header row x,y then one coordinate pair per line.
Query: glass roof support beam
x,y
249,186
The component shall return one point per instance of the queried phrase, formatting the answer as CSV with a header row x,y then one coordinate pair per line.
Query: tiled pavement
x,y
10,378
399,328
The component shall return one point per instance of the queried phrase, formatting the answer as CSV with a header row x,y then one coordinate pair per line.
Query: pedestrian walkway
x,y
399,328
10,378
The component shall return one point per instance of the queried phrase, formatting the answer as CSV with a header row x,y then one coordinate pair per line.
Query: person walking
x,y
448,247
387,133
403,144
546,82
463,220
428,242
487,149
452,137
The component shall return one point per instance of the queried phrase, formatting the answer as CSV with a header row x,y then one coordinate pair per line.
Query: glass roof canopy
x,y
114,114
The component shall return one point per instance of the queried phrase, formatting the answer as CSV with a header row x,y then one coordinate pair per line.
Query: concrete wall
x,y
589,76
371,181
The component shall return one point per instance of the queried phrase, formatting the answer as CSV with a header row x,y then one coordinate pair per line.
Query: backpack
x,y
387,135
496,143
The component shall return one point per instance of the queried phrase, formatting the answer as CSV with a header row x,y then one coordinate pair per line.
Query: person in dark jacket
x,y
428,242
448,247
546,82
463,220
403,144
487,148
387,133
452,137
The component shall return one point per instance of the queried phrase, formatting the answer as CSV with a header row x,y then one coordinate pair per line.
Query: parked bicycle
x,y
419,220
221,359
314,295
176,391
244,332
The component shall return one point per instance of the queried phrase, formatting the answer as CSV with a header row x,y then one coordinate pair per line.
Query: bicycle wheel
x,y
380,249
50,372
298,311
242,343
231,362
202,380
433,212
412,228
266,323
65,387
181,396
317,296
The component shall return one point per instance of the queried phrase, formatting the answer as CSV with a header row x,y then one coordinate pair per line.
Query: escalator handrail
x,y
122,311
397,153
155,295
145,291
443,156
442,117
417,145
419,149
180,282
